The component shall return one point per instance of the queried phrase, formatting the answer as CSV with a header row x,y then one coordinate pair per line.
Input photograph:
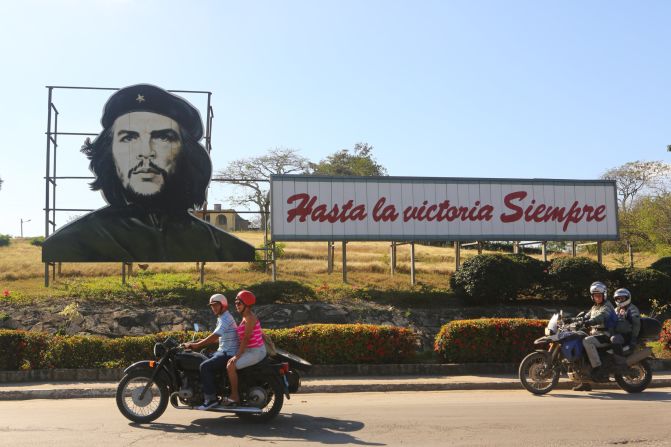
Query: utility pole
x,y
22,222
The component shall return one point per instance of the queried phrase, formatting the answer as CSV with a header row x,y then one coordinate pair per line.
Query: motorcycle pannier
x,y
650,329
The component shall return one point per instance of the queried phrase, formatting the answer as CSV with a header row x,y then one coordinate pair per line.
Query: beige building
x,y
227,220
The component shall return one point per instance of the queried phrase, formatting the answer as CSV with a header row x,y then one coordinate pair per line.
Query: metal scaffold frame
x,y
51,175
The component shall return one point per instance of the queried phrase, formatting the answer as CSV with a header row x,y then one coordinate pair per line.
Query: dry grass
x,y
368,265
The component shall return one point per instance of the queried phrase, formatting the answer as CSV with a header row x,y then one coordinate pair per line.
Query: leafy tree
x,y
650,222
254,173
359,162
0,183
635,178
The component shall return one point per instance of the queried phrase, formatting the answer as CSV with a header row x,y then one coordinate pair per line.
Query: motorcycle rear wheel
x,y
134,408
271,407
636,383
537,375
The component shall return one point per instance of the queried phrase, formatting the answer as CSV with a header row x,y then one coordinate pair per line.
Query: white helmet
x,y
219,298
622,297
598,287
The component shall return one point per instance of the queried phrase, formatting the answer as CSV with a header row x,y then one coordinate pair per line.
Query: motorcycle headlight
x,y
159,350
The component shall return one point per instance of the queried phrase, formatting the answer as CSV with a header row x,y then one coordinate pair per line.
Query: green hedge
x,y
486,279
487,340
644,284
4,240
348,343
317,343
663,265
497,278
665,335
573,276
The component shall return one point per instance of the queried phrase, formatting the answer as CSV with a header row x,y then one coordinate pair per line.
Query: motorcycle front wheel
x,y
637,379
134,406
537,375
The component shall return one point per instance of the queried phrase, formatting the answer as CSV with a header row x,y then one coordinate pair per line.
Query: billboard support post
x,y
330,251
344,262
413,278
273,257
599,252
457,255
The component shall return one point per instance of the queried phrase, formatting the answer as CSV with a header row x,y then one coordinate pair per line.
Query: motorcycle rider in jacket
x,y
598,319
628,321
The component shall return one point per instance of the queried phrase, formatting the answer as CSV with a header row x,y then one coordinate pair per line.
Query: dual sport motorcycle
x,y
564,352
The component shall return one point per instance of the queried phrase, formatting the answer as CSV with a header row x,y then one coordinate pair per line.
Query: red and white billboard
x,y
446,209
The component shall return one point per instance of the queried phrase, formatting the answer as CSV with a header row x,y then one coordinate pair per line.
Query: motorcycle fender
x,y
547,354
638,356
150,365
542,341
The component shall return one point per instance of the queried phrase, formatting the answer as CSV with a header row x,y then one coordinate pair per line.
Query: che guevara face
x,y
145,148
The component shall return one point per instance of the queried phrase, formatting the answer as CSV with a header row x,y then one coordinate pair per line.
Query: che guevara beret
x,y
149,98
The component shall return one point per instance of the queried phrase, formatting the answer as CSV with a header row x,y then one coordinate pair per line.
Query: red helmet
x,y
246,297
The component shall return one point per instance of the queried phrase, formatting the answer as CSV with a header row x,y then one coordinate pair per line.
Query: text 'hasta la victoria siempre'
x,y
306,207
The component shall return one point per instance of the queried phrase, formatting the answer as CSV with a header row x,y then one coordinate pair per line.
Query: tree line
x,y
644,206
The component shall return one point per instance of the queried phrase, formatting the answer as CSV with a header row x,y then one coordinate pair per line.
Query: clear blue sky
x,y
563,89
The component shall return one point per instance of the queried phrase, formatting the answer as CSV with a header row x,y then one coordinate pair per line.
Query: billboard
x,y
446,209
152,171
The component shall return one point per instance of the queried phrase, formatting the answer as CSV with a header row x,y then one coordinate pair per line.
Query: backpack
x,y
611,320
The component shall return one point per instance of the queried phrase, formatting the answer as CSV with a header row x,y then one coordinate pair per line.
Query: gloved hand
x,y
587,322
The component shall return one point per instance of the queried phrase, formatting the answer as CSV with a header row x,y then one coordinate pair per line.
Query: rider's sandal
x,y
229,402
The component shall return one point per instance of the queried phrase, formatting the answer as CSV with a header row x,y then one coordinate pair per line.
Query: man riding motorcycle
x,y
628,324
225,333
599,318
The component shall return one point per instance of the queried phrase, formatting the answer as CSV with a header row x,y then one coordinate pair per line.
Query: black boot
x,y
583,387
599,374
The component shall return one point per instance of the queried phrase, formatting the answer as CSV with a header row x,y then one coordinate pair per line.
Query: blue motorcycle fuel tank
x,y
571,348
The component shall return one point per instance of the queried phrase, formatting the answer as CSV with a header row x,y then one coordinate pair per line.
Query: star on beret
x,y
140,98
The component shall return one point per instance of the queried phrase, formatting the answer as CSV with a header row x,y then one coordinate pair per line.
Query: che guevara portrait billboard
x,y
152,170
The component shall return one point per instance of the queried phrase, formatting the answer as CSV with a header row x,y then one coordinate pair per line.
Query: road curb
x,y
87,392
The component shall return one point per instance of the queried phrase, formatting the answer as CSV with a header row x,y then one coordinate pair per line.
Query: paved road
x,y
473,418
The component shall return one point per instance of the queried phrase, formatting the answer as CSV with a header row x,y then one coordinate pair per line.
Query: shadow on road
x,y
646,396
286,426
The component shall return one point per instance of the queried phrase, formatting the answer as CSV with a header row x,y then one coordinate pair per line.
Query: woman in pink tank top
x,y
252,349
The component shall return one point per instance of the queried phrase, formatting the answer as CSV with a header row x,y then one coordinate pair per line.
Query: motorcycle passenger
x,y
598,319
252,349
225,332
628,321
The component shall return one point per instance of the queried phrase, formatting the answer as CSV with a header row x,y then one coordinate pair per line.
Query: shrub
x,y
37,241
347,343
665,335
487,340
663,265
259,264
644,284
487,279
22,349
4,240
573,276
318,343
530,271
268,292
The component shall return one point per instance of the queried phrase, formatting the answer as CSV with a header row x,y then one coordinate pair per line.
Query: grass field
x,y
21,269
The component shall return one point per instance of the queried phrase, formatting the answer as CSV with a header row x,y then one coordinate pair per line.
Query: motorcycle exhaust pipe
x,y
638,356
